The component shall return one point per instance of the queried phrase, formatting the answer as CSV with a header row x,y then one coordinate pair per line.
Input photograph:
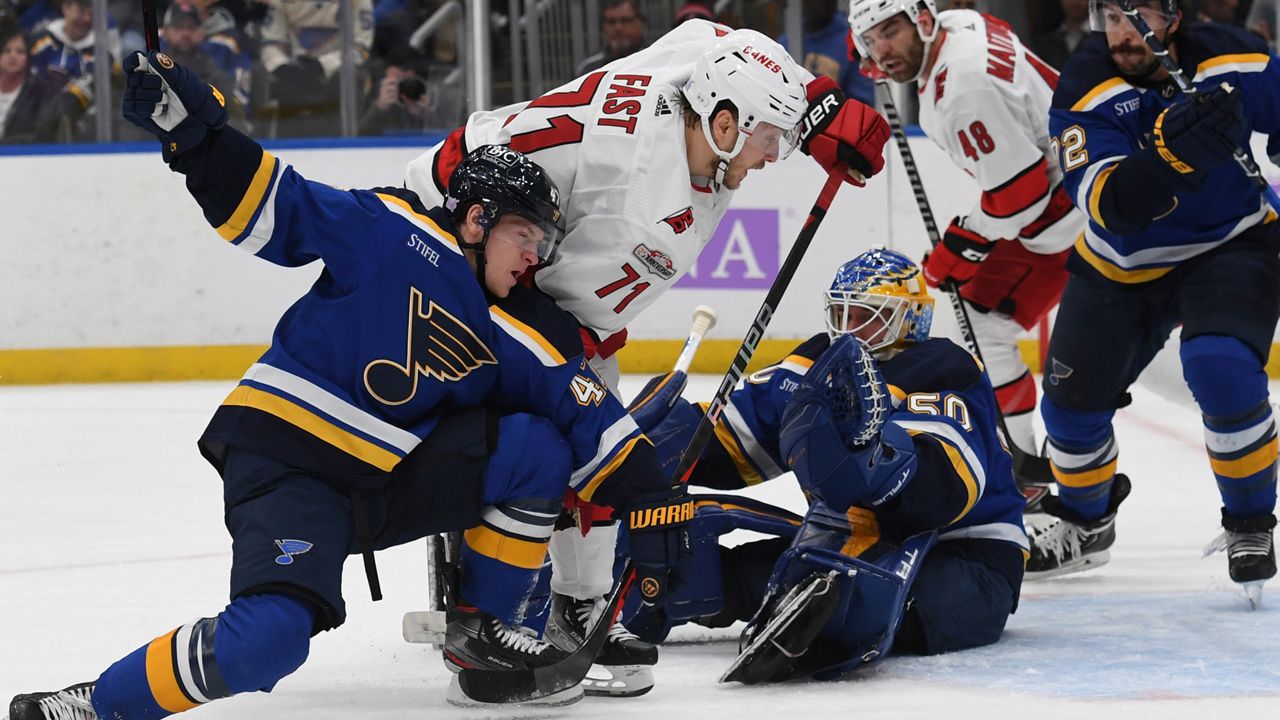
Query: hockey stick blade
x,y
518,686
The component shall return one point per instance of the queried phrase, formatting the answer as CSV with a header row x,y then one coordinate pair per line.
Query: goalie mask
x,y
880,297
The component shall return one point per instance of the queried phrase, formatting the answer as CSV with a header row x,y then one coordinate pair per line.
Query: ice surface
x,y
111,534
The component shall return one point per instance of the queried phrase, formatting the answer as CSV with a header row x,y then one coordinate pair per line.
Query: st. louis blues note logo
x,y
289,548
438,345
1061,371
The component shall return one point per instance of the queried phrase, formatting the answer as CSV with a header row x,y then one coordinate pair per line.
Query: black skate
x,y
476,640
1251,552
68,704
779,650
622,669
1069,544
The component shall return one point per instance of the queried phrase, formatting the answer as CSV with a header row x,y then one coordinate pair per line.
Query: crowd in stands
x,y
278,61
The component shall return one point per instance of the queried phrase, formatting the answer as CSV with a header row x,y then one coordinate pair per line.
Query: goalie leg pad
x,y
962,597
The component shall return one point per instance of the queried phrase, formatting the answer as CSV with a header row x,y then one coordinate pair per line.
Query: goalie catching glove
x,y
835,436
170,102
957,257
840,133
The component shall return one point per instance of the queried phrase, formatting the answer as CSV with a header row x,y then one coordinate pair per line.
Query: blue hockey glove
x,y
658,531
170,102
667,419
834,435
1197,133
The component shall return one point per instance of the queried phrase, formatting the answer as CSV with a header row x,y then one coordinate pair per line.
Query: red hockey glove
x,y
841,133
957,257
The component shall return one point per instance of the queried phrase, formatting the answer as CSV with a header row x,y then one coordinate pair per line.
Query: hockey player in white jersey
x,y
984,99
647,152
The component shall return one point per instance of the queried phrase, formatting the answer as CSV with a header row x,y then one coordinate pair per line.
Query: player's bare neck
x,y
932,57
702,161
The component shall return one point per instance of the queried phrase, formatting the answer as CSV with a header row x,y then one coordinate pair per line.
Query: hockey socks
x,y
251,645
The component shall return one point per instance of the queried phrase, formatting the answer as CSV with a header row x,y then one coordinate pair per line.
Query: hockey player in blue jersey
x,y
1177,234
416,388
915,526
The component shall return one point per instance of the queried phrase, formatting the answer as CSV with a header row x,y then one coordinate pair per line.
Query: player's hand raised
x,y
1198,133
957,257
842,134
170,102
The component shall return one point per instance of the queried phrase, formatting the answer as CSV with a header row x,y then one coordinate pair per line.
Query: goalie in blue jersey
x,y
416,388
913,539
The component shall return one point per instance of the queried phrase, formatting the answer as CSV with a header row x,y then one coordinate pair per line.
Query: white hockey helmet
x,y
764,84
866,14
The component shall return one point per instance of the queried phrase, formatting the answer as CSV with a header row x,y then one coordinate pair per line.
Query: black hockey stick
x,y
150,26
1033,473
1246,163
706,426
516,686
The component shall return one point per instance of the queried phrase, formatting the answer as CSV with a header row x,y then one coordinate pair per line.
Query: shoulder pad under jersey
x,y
540,313
935,365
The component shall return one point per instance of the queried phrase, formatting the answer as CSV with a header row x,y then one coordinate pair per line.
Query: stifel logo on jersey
x,y
680,220
656,261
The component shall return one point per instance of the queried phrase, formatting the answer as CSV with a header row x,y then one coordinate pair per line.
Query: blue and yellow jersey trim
x,y
616,444
1102,92
252,223
958,451
1232,63
323,415
402,208
534,341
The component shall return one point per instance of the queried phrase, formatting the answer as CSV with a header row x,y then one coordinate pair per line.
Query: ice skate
x,y
1251,553
623,667
1068,544
477,640
71,703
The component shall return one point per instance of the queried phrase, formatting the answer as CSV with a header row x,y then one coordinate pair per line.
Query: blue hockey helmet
x,y
881,297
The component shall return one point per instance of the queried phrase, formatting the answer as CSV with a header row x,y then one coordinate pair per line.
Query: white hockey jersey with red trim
x,y
613,141
986,103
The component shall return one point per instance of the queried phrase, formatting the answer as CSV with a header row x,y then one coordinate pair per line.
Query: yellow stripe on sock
x,y
162,678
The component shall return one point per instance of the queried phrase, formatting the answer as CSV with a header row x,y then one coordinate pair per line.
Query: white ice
x,y
111,534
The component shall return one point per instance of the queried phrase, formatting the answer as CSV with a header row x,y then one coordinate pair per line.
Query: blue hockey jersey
x,y
395,333
942,398
1098,118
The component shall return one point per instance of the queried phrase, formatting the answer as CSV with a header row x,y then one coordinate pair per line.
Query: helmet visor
x,y
1110,14
770,141
535,235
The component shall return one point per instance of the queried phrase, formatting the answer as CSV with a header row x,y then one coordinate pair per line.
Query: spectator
x,y
67,45
183,38
1226,12
826,51
225,41
1262,20
694,11
1056,46
22,92
302,51
622,30
404,101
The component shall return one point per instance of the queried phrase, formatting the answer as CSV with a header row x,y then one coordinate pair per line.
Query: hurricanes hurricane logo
x,y
289,548
438,345
680,220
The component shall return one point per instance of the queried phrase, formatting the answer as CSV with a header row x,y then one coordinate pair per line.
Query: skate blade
x,y
1253,593
456,697
618,681
1088,562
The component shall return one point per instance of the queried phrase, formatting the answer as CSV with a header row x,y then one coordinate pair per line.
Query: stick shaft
x,y
703,320
755,333
150,25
